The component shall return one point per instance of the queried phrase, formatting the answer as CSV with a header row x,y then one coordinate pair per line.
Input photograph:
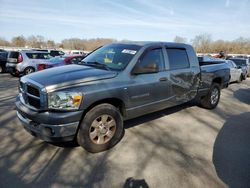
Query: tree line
x,y
202,43
205,44
40,42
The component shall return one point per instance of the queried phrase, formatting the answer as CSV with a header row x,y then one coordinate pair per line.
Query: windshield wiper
x,y
96,64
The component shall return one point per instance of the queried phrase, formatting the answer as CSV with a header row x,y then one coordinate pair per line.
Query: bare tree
x,y
202,43
179,39
85,44
18,41
4,42
36,41
50,44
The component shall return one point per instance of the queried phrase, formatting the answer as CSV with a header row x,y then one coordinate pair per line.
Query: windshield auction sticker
x,y
127,51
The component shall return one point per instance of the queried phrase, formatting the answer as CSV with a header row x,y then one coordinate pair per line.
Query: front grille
x,y
33,91
31,94
22,86
34,102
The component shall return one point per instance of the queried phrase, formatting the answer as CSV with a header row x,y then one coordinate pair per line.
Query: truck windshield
x,y
113,56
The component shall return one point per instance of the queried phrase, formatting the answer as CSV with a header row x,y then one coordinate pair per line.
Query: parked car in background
x,y
25,62
60,61
243,64
248,63
77,52
235,72
52,53
3,61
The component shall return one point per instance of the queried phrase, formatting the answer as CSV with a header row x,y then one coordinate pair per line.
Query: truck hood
x,y
61,77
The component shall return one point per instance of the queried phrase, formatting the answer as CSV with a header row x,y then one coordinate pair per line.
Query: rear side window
x,y
13,55
178,58
56,53
38,55
4,54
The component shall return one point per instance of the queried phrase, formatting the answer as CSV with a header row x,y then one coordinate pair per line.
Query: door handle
x,y
163,79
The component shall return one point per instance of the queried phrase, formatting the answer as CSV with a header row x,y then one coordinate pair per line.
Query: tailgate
x,y
13,57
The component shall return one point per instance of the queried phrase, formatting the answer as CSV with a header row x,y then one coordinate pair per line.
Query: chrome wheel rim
x,y
102,129
28,71
214,96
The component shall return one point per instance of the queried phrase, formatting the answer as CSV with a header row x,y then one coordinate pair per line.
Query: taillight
x,y
20,58
67,61
41,67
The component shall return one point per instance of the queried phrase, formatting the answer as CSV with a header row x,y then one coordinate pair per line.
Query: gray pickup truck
x,y
89,102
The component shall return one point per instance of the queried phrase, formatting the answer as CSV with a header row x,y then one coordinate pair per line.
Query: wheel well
x,y
113,101
217,80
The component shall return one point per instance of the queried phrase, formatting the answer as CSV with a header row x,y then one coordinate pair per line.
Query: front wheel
x,y
101,128
240,79
29,70
211,100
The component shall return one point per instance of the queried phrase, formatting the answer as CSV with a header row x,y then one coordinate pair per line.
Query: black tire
x,y
14,74
86,128
29,70
207,101
240,79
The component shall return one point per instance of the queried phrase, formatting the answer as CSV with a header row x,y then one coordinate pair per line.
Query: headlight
x,y
64,100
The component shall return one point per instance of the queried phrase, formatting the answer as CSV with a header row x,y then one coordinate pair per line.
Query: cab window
x,y
178,58
153,57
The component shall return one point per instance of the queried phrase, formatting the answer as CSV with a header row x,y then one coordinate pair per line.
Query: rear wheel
x,y
211,100
101,128
14,73
1,69
29,70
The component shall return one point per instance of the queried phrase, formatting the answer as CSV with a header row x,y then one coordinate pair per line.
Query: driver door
x,y
149,87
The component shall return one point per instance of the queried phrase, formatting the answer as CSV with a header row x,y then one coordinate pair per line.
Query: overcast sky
x,y
156,20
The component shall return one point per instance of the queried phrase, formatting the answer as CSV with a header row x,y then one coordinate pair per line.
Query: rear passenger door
x,y
184,78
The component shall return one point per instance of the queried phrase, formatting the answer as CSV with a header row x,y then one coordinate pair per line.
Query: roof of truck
x,y
148,43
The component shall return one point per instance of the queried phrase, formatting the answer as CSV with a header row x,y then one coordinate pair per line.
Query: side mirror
x,y
147,69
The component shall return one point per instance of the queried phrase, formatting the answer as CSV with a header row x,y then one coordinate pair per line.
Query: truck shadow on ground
x,y
135,183
155,115
242,95
231,154
137,121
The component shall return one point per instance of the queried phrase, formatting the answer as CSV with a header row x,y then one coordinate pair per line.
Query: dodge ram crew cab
x,y
88,102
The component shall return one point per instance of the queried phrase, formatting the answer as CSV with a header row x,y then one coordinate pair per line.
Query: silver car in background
x,y
235,72
243,64
25,62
